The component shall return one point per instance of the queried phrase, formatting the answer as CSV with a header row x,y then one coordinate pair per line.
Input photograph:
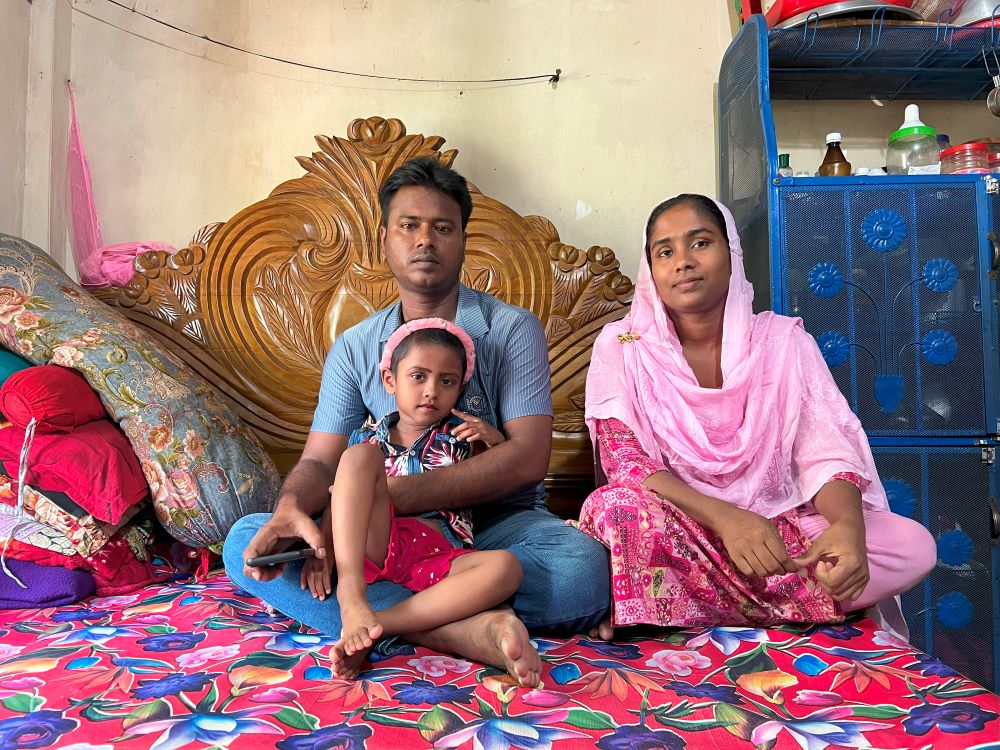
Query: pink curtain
x,y
97,264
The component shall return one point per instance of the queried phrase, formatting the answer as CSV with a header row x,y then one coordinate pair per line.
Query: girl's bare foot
x,y
346,666
360,626
495,637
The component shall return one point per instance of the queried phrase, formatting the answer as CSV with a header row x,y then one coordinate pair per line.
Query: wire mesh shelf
x,y
881,59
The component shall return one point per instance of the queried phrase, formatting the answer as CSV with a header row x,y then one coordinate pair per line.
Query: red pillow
x,y
94,464
57,397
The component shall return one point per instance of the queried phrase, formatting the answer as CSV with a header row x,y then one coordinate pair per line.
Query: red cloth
x,y
23,551
58,398
94,464
417,558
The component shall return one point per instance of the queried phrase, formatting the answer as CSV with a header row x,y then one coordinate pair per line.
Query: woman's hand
x,y
752,543
474,428
841,560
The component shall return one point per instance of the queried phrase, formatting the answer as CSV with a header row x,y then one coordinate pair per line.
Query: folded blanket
x,y
18,527
115,569
94,464
46,587
206,469
81,532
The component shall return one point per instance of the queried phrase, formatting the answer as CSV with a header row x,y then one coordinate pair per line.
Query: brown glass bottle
x,y
834,164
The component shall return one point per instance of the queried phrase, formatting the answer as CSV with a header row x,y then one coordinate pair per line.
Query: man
x,y
425,210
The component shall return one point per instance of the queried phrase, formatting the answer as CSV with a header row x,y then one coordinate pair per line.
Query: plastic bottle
x,y
834,164
943,141
783,169
994,162
913,148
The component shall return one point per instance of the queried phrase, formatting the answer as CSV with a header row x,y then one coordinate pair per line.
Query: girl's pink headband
x,y
412,326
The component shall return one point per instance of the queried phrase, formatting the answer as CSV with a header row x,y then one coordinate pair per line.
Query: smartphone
x,y
281,557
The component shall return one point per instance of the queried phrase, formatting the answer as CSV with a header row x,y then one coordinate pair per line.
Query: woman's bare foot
x,y
346,666
604,631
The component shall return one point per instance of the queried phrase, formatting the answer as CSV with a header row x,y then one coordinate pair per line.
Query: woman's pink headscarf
x,y
775,432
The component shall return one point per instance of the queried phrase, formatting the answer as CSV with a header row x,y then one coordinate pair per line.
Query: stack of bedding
x,y
84,491
106,418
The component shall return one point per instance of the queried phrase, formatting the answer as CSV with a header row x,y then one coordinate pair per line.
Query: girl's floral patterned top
x,y
435,448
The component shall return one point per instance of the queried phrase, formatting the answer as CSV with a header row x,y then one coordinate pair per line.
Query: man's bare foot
x,y
346,666
520,657
360,626
604,631
495,637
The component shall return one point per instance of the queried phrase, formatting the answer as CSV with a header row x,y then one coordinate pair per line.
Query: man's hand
x,y
841,560
474,428
288,525
752,543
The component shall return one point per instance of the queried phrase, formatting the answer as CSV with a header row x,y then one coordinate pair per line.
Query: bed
x,y
190,661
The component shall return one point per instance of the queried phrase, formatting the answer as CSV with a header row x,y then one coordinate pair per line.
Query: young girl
x,y
425,364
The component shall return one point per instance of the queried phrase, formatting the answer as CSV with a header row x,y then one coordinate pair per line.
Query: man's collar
x,y
469,316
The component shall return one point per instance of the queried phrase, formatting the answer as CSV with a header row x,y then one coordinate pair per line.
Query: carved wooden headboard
x,y
253,304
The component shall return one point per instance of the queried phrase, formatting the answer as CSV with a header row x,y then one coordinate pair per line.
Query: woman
x,y
742,489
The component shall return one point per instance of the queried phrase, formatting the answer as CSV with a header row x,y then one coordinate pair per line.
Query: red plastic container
x,y
968,158
793,12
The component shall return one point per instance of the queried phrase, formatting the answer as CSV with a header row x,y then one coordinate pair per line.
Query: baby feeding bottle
x,y
913,148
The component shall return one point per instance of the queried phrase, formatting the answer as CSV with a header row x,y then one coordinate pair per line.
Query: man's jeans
x,y
565,587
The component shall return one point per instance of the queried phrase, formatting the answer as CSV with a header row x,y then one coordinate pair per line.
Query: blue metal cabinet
x,y
892,277
953,615
896,277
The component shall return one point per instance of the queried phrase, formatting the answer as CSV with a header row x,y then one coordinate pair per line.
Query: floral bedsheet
x,y
200,664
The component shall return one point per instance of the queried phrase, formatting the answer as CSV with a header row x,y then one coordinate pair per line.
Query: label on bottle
x,y
928,169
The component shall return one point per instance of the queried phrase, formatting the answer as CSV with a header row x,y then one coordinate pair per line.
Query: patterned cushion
x,y
205,468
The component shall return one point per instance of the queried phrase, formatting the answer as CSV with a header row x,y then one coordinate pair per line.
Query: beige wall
x,y
36,43
14,29
181,132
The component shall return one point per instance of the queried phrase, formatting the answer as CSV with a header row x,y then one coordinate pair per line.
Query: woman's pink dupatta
x,y
768,439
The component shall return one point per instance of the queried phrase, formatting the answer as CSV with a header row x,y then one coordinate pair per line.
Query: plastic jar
x,y
969,158
913,148
994,161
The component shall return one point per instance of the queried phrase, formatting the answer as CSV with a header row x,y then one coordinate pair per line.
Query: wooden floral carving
x,y
254,303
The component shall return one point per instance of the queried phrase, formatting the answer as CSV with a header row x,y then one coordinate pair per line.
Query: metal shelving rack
x,y
881,60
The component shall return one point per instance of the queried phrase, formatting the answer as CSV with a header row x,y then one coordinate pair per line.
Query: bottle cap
x,y
783,160
832,138
966,149
912,126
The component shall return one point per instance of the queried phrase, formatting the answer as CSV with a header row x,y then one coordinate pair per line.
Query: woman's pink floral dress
x,y
668,570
